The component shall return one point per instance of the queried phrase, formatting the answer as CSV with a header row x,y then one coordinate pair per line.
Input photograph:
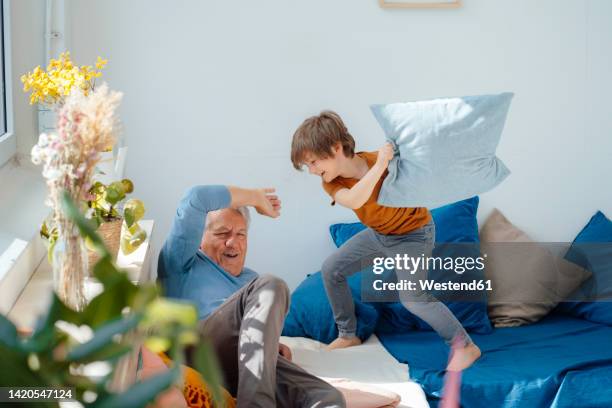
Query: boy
x,y
353,180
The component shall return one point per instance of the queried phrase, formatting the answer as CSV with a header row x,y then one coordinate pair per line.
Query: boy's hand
x,y
267,203
385,154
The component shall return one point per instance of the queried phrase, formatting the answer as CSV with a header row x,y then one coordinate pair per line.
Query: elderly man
x,y
242,314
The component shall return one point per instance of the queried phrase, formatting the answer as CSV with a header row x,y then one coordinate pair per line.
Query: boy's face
x,y
325,167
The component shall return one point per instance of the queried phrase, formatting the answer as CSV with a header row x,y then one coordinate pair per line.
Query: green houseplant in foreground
x,y
122,315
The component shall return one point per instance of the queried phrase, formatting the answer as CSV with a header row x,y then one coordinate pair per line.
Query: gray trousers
x,y
245,332
358,252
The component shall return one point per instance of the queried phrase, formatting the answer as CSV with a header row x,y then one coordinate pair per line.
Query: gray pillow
x,y
446,149
527,279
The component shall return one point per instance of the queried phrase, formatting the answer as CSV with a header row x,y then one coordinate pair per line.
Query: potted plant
x,y
108,207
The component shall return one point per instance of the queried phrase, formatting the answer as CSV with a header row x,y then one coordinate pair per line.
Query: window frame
x,y
8,141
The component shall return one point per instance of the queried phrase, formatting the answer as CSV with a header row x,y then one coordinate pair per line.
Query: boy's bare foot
x,y
464,357
344,342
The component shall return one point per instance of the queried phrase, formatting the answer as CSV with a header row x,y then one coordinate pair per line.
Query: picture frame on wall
x,y
419,4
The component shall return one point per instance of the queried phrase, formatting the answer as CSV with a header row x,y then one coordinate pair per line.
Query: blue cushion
x,y
310,314
342,232
446,149
455,223
592,249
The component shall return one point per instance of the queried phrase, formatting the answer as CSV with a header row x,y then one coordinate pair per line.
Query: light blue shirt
x,y
183,270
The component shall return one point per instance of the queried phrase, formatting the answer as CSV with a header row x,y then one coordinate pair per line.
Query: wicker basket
x,y
110,232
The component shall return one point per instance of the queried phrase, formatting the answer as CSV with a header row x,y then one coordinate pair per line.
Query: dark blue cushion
x,y
310,314
341,233
592,249
455,223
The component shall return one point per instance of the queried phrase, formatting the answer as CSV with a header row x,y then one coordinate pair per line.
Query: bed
x,y
562,360
368,363
558,362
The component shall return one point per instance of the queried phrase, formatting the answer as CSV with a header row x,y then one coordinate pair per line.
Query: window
x,y
7,138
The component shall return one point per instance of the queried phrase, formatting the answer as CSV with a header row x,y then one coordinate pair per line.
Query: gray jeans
x,y
355,254
244,332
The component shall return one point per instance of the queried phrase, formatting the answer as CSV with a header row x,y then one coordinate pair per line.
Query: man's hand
x,y
284,351
385,154
267,203
262,199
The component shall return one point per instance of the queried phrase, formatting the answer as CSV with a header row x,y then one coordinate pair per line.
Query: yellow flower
x,y
53,64
52,85
100,63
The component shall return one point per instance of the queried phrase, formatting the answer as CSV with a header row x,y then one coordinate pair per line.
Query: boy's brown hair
x,y
318,135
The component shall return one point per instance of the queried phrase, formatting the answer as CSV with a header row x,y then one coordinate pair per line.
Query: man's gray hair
x,y
244,211
246,214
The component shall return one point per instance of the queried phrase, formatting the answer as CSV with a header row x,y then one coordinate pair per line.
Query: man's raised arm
x,y
185,236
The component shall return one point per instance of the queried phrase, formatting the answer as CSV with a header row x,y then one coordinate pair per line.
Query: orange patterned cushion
x,y
195,390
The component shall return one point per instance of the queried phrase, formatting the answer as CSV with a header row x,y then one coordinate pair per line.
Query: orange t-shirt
x,y
385,220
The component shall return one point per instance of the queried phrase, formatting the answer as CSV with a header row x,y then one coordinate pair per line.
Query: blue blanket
x,y
557,362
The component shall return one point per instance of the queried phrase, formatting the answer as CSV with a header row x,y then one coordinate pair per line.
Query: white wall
x,y
215,89
28,51
22,190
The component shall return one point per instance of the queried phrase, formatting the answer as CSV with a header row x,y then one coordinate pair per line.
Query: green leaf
x,y
8,332
52,243
132,239
128,216
115,192
87,228
103,336
44,230
118,293
128,186
157,343
106,271
207,365
15,370
140,394
98,217
136,206
147,293
97,188
138,238
165,311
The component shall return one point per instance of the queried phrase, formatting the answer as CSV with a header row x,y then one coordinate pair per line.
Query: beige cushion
x,y
527,280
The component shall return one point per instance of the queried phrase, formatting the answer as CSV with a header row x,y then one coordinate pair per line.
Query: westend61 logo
x,y
412,271
413,264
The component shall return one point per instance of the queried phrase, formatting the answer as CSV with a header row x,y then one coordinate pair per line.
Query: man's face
x,y
225,240
326,168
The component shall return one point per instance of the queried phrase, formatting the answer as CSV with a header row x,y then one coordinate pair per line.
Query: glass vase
x,y
70,265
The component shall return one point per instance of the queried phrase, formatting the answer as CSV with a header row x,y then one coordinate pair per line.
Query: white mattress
x,y
368,363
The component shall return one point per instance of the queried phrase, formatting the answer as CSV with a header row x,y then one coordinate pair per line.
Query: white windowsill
x,y
34,298
8,147
22,210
